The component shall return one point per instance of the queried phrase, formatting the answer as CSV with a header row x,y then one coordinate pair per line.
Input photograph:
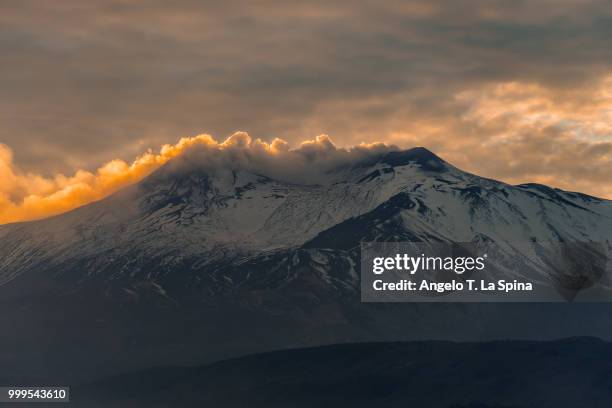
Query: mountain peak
x,y
292,168
419,155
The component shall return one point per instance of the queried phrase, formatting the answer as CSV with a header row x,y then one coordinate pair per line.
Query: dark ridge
x,y
349,233
500,374
369,177
553,194
552,191
419,155
540,187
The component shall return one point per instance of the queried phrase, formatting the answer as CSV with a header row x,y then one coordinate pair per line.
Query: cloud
x,y
514,131
540,134
108,78
27,196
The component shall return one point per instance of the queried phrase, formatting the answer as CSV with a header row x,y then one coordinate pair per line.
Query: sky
x,y
519,91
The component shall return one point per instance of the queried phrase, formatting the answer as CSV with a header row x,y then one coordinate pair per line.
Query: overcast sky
x,y
515,90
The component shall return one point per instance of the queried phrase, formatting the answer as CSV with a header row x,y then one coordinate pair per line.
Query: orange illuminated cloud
x,y
529,133
25,196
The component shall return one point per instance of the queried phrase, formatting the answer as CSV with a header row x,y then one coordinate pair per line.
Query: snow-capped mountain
x,y
195,219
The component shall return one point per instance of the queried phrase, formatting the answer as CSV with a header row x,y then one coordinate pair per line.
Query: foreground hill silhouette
x,y
520,374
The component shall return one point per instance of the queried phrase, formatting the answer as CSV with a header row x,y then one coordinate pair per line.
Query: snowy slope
x,y
193,220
